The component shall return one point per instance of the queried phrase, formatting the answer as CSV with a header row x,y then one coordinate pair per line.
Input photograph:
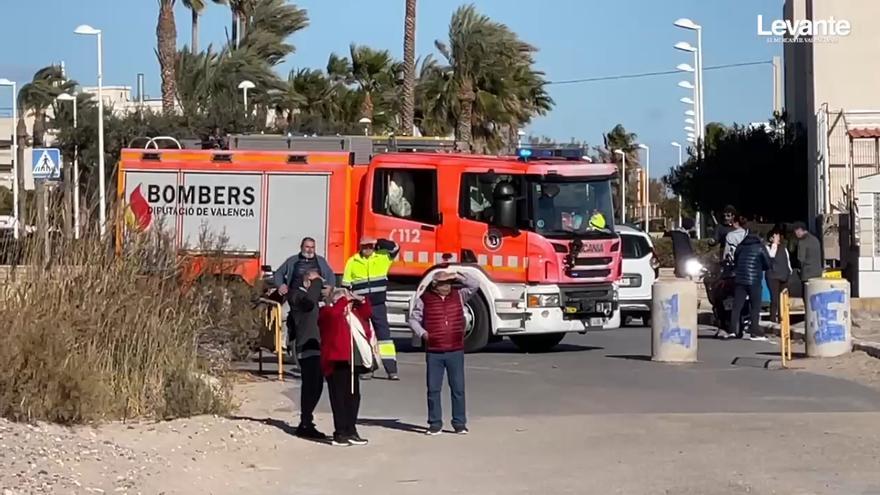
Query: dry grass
x,y
99,337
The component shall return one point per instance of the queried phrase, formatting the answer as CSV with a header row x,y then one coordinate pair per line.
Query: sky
x,y
577,39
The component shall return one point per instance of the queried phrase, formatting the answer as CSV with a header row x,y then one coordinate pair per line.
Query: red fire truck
x,y
523,225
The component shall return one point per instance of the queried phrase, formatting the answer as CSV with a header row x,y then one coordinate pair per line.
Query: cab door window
x,y
475,197
410,194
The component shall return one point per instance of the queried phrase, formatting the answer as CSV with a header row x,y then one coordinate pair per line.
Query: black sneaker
x,y
357,440
340,441
461,430
433,431
310,433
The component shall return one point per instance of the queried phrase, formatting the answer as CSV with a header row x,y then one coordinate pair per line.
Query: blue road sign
x,y
47,163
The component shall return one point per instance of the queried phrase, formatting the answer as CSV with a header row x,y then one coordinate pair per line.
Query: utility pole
x,y
777,84
22,136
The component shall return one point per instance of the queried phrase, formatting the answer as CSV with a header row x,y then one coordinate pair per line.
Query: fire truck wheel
x,y
537,343
477,318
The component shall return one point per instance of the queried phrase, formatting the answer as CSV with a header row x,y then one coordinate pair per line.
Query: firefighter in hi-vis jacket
x,y
366,274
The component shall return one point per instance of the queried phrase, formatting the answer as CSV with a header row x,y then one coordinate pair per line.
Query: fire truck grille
x,y
603,261
602,273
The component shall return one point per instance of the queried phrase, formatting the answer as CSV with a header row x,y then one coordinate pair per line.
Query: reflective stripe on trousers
x,y
387,350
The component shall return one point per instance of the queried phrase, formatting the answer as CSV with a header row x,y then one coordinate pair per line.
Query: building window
x,y
394,194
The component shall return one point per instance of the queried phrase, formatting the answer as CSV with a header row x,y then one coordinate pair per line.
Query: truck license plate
x,y
626,282
597,322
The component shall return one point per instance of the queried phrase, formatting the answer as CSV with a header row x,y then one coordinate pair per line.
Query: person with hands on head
x,y
438,319
343,321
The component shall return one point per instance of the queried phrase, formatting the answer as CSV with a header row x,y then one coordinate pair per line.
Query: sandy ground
x,y
598,453
590,419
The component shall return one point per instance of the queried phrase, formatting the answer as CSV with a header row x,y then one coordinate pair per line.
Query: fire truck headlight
x,y
543,300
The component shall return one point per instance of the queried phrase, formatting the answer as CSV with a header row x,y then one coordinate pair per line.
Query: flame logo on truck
x,y
138,216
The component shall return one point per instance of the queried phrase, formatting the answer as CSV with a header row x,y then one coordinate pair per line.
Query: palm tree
x,y
166,35
39,94
372,71
621,139
489,71
409,69
241,10
196,7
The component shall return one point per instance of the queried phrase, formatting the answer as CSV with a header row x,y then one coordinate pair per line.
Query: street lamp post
x,y
245,86
11,84
678,145
87,30
622,185
700,137
647,182
690,25
72,98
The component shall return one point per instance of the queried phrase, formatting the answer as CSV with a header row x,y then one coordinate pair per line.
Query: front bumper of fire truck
x,y
569,308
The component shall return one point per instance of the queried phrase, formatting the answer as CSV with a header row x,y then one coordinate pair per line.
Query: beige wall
x,y
843,73
847,73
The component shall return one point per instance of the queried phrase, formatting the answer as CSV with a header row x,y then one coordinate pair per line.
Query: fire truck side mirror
x,y
504,204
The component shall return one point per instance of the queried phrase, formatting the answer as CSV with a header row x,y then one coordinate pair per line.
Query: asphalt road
x,y
610,372
597,416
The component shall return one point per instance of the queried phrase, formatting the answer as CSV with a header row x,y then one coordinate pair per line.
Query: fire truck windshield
x,y
563,208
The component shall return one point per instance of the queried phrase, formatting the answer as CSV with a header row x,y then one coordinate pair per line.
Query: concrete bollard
x,y
828,322
674,321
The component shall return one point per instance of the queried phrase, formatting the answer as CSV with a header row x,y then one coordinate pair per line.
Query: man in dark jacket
x,y
304,305
750,262
809,255
438,319
289,275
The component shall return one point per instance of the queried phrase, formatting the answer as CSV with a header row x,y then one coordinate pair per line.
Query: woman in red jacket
x,y
337,359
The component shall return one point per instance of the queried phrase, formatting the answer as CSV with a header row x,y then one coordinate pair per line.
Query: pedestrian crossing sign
x,y
47,163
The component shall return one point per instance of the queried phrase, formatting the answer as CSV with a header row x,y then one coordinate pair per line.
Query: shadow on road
x,y
794,355
392,424
404,346
630,357
507,347
277,423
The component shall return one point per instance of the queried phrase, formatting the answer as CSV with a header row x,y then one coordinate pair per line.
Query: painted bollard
x,y
828,323
674,321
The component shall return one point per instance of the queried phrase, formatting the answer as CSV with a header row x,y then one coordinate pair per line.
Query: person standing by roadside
x,y
734,238
366,274
724,228
750,262
809,256
344,314
290,274
304,307
780,270
289,277
438,319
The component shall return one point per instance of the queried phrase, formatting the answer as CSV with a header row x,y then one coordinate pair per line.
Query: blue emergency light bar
x,y
539,153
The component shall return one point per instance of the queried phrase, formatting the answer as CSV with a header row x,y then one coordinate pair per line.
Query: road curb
x,y
868,347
